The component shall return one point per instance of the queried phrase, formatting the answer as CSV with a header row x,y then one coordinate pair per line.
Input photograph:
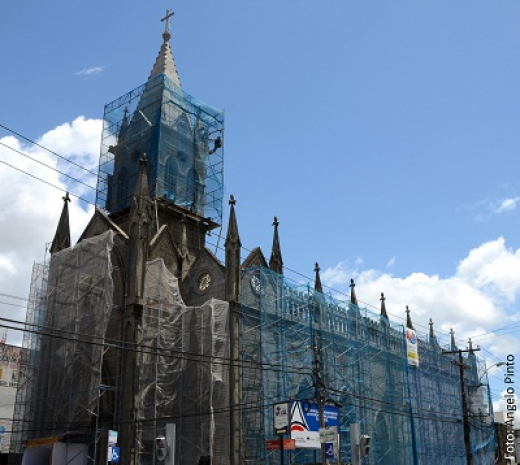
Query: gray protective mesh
x,y
60,377
183,371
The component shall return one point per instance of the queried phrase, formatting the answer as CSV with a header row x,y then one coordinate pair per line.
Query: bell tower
x,y
182,140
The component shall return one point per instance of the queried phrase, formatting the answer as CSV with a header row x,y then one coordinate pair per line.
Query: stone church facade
x,y
140,325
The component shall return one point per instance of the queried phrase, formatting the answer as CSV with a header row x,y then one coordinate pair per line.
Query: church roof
x,y
165,63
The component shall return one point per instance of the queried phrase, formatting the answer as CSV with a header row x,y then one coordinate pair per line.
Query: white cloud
x,y
30,209
494,269
478,297
506,205
91,70
391,262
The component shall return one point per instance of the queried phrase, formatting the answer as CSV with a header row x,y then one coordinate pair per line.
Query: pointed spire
x,y
353,298
470,345
432,338
62,237
232,246
232,232
165,64
317,281
409,319
453,344
276,262
383,306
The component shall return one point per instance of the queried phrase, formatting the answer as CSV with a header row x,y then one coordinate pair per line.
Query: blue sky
x,y
384,135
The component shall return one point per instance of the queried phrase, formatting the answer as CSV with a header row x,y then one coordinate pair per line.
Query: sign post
x,y
281,423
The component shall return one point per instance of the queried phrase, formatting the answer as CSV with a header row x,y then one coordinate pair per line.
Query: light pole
x,y
498,364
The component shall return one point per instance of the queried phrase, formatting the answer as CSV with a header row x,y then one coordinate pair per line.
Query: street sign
x,y
112,437
281,418
331,451
305,423
275,444
289,444
328,435
115,455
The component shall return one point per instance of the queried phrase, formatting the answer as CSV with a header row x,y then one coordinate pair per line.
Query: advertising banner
x,y
281,418
412,350
305,423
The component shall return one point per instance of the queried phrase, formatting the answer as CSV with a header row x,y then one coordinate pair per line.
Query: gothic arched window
x,y
171,172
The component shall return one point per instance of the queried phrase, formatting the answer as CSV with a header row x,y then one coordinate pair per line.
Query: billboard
x,y
305,423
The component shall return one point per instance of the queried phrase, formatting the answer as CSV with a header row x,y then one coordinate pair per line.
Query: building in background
x,y
502,430
140,325
9,370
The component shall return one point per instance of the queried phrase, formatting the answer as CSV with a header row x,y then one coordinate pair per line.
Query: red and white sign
x,y
275,444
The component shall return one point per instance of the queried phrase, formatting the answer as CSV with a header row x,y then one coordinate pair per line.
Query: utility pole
x,y
320,388
465,412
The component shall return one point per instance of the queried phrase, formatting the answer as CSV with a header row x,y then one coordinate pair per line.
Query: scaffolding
x,y
29,360
60,375
182,139
412,414
182,362
183,372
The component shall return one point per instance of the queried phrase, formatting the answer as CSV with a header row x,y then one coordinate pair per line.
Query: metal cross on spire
x,y
169,14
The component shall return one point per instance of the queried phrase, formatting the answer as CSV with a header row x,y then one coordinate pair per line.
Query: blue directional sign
x,y
115,454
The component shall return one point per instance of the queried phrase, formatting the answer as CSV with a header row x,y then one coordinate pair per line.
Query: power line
x,y
48,166
46,182
47,150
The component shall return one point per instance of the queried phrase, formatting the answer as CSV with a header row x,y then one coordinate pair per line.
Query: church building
x,y
138,331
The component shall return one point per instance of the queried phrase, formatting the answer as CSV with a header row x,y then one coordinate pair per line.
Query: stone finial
x,y
470,345
432,339
353,298
453,344
232,233
317,281
383,306
276,261
409,323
